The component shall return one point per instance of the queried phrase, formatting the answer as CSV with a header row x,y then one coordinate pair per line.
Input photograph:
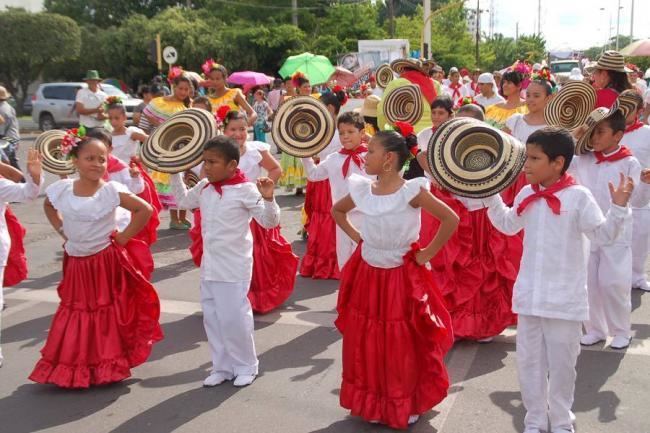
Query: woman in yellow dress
x,y
496,115
159,110
219,94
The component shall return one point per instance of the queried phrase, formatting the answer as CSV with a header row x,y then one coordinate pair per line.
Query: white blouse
x,y
250,161
390,224
133,184
520,129
88,222
11,192
332,168
124,147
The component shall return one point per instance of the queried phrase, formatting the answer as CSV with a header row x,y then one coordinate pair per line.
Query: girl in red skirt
x,y
396,330
10,228
107,320
274,263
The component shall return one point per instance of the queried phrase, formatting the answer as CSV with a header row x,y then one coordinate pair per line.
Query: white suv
x,y
53,104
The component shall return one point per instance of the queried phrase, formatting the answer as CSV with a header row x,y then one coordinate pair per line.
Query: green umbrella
x,y
317,69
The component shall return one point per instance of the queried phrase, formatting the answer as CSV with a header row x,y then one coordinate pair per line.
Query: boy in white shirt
x,y
610,266
228,201
550,293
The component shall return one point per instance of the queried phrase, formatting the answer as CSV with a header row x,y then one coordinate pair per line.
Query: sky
x,y
576,24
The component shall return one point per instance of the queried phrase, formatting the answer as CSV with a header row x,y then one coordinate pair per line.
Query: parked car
x,y
27,105
561,69
53,104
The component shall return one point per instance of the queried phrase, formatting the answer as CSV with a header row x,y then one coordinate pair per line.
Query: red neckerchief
x,y
425,84
353,155
633,127
456,90
474,87
237,178
113,166
548,194
621,153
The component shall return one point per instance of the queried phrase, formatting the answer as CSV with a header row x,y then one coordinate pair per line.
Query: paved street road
x,y
300,363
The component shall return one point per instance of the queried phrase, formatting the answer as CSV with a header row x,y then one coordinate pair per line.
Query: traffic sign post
x,y
170,55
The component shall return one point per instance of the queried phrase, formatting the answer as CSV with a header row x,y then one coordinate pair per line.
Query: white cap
x,y
537,67
486,78
453,69
576,74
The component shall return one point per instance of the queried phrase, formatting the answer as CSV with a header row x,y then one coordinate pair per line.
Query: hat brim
x,y
583,144
93,79
384,75
302,126
472,159
401,65
403,104
48,145
571,106
177,144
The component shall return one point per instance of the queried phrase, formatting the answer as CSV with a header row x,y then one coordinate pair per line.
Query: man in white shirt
x,y
455,89
90,102
488,89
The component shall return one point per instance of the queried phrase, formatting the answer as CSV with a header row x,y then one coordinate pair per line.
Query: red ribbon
x,y
548,194
353,155
456,90
621,153
113,166
237,178
633,127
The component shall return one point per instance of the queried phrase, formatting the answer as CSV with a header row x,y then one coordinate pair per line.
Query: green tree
x,y
30,42
531,48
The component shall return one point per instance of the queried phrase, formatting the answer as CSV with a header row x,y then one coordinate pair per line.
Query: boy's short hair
x,y
472,110
202,100
224,146
351,118
554,142
616,121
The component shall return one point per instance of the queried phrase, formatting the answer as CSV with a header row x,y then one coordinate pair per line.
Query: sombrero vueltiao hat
x,y
49,146
384,75
472,159
177,144
302,126
571,105
610,60
627,103
583,145
190,178
404,104
401,65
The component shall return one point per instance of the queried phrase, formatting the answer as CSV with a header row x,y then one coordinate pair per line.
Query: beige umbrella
x,y
637,48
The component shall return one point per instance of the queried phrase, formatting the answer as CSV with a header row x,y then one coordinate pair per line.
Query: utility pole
x,y
391,19
478,30
427,30
618,22
632,23
539,17
294,12
517,31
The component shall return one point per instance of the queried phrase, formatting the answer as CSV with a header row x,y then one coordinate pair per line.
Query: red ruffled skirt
x,y
16,269
274,264
149,233
320,260
396,332
476,270
106,323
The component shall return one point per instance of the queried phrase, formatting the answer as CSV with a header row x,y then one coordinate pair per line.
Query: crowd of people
x,y
419,266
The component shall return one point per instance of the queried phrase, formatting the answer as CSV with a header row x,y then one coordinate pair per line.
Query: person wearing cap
x,y
455,89
9,129
488,91
609,76
89,102
602,161
576,75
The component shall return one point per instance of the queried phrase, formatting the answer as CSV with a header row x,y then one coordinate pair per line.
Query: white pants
x,y
547,352
608,283
640,243
228,322
345,246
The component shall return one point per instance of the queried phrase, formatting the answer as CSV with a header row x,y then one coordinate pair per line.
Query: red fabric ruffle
x,y
396,332
508,195
149,233
106,322
320,260
16,269
475,270
274,269
274,264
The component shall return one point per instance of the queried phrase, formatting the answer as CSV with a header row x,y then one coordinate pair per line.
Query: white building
x,y
470,17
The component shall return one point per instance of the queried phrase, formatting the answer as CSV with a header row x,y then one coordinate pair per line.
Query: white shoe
x,y
642,285
620,342
591,339
244,380
413,419
214,379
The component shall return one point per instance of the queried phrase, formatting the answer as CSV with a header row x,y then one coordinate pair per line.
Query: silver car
x,y
53,104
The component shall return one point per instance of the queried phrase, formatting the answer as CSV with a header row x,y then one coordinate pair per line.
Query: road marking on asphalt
x,y
313,319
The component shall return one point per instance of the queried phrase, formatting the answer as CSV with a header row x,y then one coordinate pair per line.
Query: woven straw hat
x,y
401,65
302,126
384,75
49,145
610,61
571,105
177,144
369,108
472,159
583,145
627,103
404,104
